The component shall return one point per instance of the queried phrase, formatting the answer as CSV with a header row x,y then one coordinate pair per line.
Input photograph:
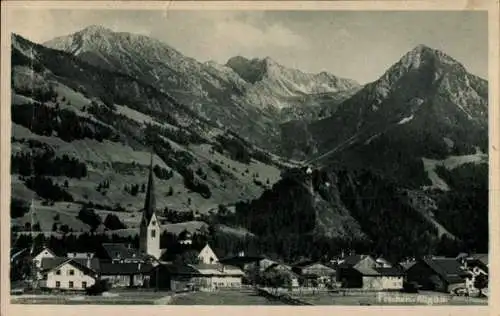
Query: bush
x,y
89,217
112,222
410,287
18,208
98,288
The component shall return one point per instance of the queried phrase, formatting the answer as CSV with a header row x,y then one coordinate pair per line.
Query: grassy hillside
x,y
75,143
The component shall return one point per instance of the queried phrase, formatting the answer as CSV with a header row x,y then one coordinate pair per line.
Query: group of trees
x,y
178,135
395,227
91,218
102,186
46,163
162,173
194,184
41,93
236,148
180,161
174,216
464,208
18,208
135,189
47,189
45,120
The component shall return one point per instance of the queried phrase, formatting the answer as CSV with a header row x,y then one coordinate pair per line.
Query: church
x,y
123,265
150,230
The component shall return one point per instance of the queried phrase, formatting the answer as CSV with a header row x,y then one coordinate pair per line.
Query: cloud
x,y
230,33
246,35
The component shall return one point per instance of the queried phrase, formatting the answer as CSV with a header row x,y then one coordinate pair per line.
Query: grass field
x,y
424,298
119,298
227,297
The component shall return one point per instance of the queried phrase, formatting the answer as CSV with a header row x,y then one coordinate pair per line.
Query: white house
x,y
44,253
213,276
150,230
207,256
66,274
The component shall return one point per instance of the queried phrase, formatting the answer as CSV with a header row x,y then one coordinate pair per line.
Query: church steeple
x,y
150,230
150,201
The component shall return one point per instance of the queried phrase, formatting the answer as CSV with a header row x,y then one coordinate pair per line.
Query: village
x,y
120,274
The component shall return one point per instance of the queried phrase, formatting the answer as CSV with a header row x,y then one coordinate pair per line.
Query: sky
x,y
358,45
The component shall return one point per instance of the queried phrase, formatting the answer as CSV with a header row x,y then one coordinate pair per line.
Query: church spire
x,y
150,201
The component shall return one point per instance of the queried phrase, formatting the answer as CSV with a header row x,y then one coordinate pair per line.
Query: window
x,y
71,272
70,284
58,272
153,233
84,284
58,284
153,222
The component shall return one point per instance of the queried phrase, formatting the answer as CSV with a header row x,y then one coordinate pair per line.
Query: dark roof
x,y
303,263
482,257
125,268
150,201
116,250
351,260
48,264
178,269
287,269
447,268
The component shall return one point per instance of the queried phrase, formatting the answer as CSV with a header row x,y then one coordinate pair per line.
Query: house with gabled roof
x,y
178,276
126,274
67,274
207,255
437,273
214,276
363,271
313,273
121,253
45,252
280,268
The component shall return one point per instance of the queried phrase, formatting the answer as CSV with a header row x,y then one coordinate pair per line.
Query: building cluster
x,y
124,266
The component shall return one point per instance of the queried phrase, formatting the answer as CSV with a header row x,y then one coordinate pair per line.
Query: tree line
x,y
47,164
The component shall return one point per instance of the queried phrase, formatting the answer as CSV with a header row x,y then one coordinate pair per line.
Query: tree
x,y
36,227
481,282
88,216
18,208
134,190
187,257
64,229
113,222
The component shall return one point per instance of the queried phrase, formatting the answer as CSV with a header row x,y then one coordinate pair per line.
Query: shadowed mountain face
x,y
245,96
394,159
425,106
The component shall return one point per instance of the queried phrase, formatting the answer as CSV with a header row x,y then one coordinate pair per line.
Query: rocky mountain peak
x,y
95,29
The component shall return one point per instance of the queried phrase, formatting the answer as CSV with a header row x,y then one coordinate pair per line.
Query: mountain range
x,y
398,165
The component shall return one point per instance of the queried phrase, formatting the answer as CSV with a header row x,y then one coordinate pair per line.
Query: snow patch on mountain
x,y
405,120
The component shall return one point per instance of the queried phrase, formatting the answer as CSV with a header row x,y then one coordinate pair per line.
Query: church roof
x,y
150,201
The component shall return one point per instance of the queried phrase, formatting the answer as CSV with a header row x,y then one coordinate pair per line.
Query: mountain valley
x,y
398,166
